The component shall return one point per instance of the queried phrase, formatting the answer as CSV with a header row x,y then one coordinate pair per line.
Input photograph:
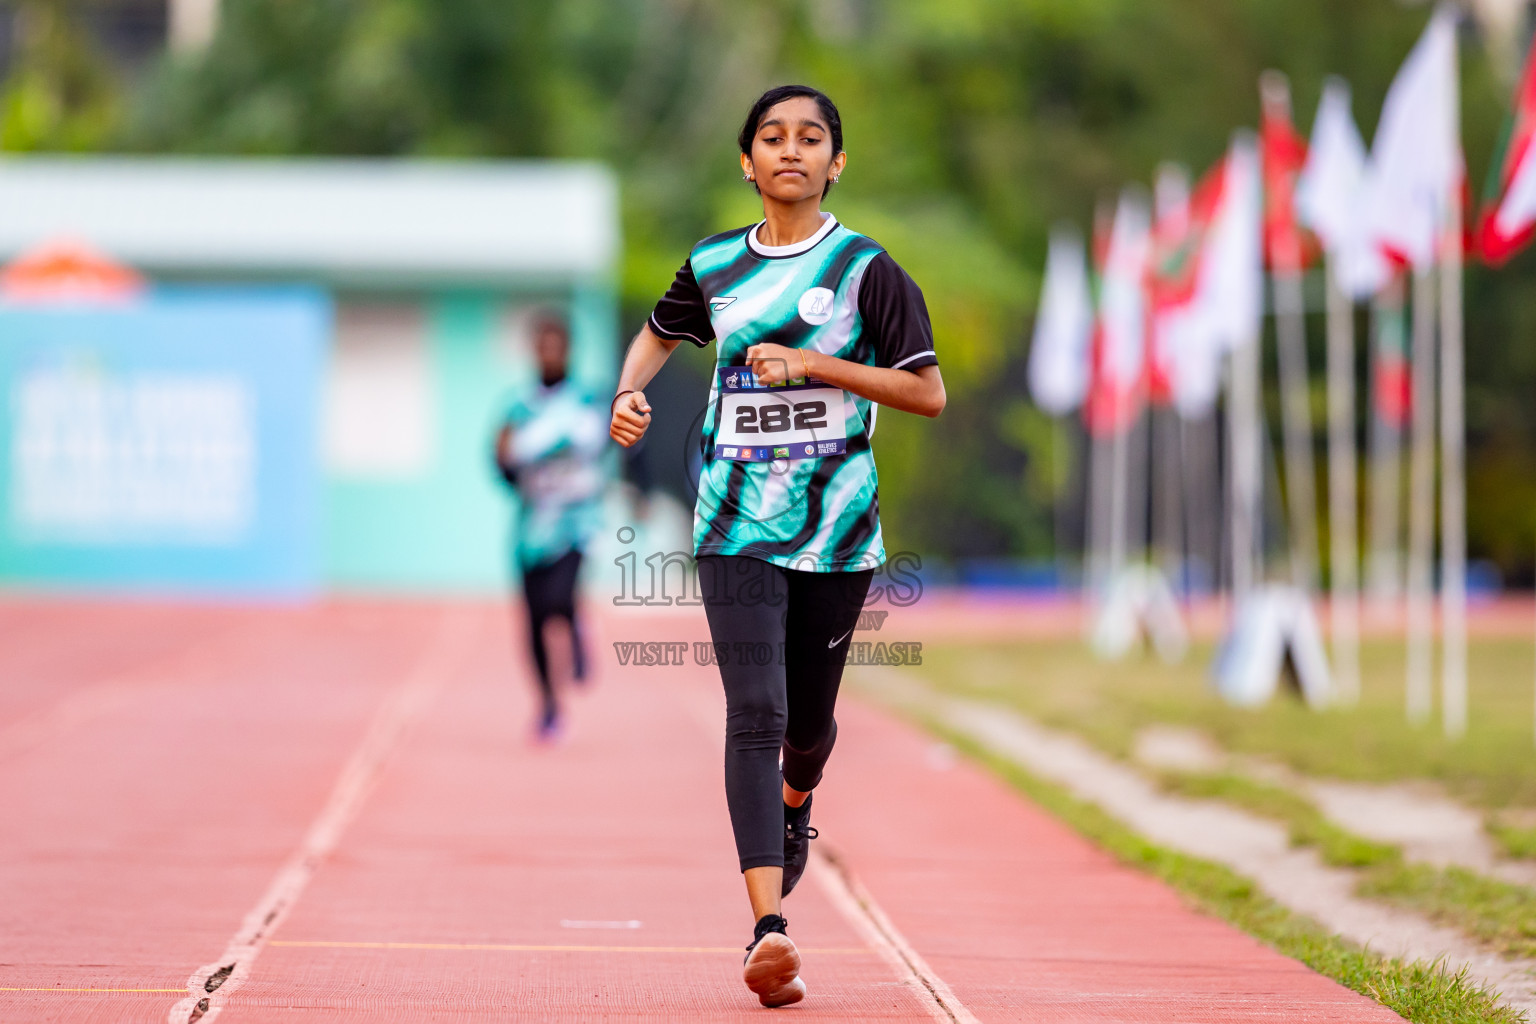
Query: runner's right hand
x,y
631,418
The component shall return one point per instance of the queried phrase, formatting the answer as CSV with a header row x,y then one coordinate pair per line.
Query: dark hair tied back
x,y
768,100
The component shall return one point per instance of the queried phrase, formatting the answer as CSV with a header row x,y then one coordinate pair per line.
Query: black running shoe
x,y
772,967
798,834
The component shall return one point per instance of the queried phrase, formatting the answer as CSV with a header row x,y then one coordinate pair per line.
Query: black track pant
x,y
551,593
781,638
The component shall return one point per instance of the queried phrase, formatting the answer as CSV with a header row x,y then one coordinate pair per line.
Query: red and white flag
x,y
1416,167
1059,357
1231,284
1286,246
1330,195
1209,300
1120,343
1170,276
1509,213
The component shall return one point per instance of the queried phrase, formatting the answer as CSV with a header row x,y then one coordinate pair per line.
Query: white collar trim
x,y
828,222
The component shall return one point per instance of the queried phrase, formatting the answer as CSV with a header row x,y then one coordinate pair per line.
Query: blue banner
x,y
167,444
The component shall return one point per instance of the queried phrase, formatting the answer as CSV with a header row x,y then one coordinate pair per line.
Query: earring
x,y
746,177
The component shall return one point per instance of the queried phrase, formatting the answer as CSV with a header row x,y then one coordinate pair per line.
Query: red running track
x,y
340,806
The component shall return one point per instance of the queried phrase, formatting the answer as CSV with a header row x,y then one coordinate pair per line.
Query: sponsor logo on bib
x,y
816,306
810,449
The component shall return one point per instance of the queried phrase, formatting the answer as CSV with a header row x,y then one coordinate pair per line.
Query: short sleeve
x,y
682,313
896,317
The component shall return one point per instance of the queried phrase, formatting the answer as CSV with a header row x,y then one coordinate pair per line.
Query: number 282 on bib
x,y
801,418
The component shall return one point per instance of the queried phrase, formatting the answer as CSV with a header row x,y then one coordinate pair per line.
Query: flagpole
x,y
1208,464
1118,500
1344,604
1237,534
1200,475
1098,518
1244,454
1291,337
1421,508
1384,580
1453,508
1169,508
1296,425
1059,497
1137,488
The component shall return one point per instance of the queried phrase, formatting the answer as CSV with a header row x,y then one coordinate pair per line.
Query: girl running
x,y
815,326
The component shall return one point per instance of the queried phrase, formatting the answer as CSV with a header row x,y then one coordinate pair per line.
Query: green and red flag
x,y
1178,241
1119,342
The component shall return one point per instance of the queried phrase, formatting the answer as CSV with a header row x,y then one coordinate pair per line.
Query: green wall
x,y
447,529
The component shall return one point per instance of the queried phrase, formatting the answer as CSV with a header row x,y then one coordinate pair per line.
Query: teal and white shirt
x,y
558,437
788,473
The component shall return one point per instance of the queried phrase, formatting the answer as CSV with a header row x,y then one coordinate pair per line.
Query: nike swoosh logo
x,y
839,640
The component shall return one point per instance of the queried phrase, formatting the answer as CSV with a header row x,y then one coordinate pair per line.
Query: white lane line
x,y
854,902
210,985
861,911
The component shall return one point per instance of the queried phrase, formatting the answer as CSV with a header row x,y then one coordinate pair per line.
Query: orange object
x,y
68,271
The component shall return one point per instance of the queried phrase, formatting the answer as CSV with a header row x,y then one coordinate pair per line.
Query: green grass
x,y
1425,993
1516,841
1498,913
1493,911
1307,825
1058,682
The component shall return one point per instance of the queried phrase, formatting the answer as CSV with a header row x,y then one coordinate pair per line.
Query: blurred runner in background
x,y
548,450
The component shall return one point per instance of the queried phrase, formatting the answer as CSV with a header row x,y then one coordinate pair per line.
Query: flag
x,y
1415,164
1232,272
1120,356
1509,210
1183,224
1225,303
1059,354
1170,275
1330,195
1286,248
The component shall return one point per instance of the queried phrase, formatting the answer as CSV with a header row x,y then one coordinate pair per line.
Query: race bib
x,y
801,418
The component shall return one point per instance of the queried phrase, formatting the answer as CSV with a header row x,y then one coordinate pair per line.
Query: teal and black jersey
x,y
558,437
788,473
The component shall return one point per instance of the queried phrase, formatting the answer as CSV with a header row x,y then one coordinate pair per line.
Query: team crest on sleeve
x,y
816,306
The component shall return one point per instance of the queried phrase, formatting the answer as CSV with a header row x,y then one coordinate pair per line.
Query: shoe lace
x,y
806,831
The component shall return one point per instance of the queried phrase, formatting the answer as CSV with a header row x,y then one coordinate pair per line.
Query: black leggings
x,y
551,593
781,638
